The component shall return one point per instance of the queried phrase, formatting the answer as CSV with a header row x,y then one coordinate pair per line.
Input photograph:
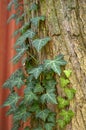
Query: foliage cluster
x,y
38,78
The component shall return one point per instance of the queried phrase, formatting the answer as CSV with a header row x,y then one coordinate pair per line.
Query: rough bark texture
x,y
65,24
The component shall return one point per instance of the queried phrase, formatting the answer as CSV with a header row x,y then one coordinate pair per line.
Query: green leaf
x,y
62,102
15,125
21,114
11,110
20,18
64,82
39,43
38,128
34,7
49,97
25,27
70,93
35,107
26,128
52,117
67,73
22,29
11,100
50,85
22,38
49,126
55,64
30,96
13,16
61,123
10,5
38,88
67,115
20,53
42,114
35,21
36,71
15,80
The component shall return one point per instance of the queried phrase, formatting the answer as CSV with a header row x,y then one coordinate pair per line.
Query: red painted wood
x,y
6,53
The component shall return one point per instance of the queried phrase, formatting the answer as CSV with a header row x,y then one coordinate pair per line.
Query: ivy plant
x,y
38,78
65,115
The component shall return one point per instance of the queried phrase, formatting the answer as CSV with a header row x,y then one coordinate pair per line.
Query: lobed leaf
x,y
49,97
12,99
26,128
67,115
39,43
49,126
61,123
35,21
20,53
13,16
64,82
38,88
22,38
21,114
36,71
67,73
15,80
62,102
30,96
70,93
34,7
42,114
55,64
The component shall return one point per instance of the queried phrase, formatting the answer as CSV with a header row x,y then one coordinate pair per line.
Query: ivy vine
x,y
38,78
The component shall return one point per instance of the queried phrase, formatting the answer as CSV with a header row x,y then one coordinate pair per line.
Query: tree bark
x,y
65,24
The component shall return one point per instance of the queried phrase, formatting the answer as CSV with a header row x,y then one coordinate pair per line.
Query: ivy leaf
x,y
13,16
15,125
20,53
39,128
11,100
49,126
11,110
21,114
35,107
34,7
36,71
30,86
52,117
22,38
39,43
49,97
38,88
64,82
67,115
55,64
42,114
62,102
70,93
67,73
25,27
10,5
15,80
26,128
61,123
30,96
50,85
20,18
35,21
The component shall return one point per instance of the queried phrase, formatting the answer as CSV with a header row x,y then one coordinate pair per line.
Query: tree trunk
x,y
65,24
